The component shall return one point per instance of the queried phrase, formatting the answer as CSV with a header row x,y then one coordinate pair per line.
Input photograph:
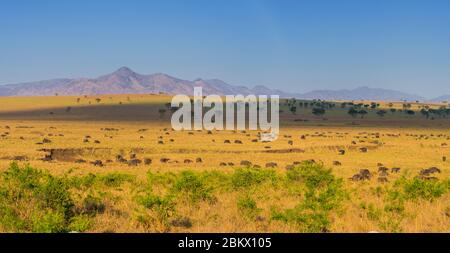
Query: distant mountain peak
x,y
124,71
126,81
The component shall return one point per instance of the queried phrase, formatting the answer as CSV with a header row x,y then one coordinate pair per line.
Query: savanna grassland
x,y
113,164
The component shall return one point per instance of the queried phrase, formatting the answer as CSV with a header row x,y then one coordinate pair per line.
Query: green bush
x,y
247,177
163,206
417,188
248,207
193,186
323,194
32,200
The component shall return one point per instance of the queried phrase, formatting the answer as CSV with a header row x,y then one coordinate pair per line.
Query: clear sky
x,y
293,45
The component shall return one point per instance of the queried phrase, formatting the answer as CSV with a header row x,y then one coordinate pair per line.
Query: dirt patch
x,y
73,154
285,151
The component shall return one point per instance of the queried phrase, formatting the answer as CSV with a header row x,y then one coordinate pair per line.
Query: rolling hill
x,y
126,81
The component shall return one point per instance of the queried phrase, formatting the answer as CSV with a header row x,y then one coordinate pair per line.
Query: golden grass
x,y
28,120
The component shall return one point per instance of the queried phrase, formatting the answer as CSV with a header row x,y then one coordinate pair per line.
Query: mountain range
x,y
126,81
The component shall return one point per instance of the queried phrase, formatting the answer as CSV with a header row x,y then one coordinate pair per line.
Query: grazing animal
x,y
187,161
45,140
227,141
429,171
444,158
97,163
364,174
291,143
246,163
230,164
271,165
199,160
164,160
341,152
383,169
223,164
134,162
395,170
337,163
147,161
363,150
80,161
238,142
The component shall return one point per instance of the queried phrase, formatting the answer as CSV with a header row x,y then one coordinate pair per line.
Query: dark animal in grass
x,y
20,158
164,160
97,142
291,143
271,165
429,171
255,140
383,169
181,222
147,161
134,162
97,163
199,160
132,156
222,164
86,140
160,142
256,166
238,142
227,141
364,174
80,161
444,158
187,161
363,150
246,163
337,163
230,164
395,170
47,158
380,164
341,152
45,140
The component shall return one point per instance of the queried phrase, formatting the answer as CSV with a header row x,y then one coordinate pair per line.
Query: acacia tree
x,y
353,112
318,111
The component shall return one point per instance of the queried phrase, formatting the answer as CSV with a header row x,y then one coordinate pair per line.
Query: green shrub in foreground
x,y
323,194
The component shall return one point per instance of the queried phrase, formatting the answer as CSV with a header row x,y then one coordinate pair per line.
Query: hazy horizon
x,y
294,46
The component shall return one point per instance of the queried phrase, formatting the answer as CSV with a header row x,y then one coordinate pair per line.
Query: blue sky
x,y
293,45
